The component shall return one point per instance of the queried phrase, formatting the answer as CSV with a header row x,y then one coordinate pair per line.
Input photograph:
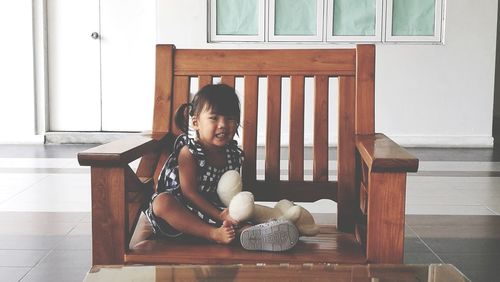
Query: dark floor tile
x,y
456,154
43,151
421,258
415,245
473,261
461,245
455,226
13,274
490,275
61,265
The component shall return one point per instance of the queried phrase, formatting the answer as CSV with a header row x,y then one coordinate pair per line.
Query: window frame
x,y
355,38
296,38
438,26
214,37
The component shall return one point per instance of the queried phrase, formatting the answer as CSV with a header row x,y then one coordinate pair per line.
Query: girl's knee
x,y
162,203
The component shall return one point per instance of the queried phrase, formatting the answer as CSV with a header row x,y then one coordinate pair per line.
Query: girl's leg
x,y
169,209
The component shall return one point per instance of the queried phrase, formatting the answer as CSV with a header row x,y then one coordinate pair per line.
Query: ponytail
x,y
181,117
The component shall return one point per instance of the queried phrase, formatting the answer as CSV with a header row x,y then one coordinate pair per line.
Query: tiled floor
x,y
453,208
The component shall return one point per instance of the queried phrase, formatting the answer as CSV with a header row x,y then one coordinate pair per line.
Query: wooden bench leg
x,y
108,215
386,217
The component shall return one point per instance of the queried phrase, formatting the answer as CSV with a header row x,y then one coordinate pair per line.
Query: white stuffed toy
x,y
242,206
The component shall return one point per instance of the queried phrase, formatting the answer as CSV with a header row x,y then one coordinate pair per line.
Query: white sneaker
x,y
275,236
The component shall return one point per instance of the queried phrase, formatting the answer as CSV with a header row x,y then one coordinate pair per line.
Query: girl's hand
x,y
224,216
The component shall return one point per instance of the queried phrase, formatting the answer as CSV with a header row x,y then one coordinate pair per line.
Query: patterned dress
x,y
208,178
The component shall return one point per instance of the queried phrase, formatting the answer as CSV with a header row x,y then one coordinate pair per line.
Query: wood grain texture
x,y
273,129
204,80
330,246
386,217
371,178
163,88
346,153
249,168
320,147
365,89
109,215
380,153
265,62
296,142
228,80
181,96
299,191
119,152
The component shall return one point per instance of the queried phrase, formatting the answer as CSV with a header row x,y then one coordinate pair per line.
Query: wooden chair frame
x,y
370,190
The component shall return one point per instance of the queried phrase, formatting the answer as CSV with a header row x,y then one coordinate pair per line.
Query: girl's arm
x,y
189,185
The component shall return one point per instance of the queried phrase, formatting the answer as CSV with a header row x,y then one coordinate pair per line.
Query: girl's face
x,y
214,130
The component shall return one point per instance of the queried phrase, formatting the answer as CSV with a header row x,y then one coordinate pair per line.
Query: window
x,y
326,20
356,21
237,20
297,20
413,20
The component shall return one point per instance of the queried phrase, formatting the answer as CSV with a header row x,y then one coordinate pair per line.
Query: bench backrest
x,y
355,69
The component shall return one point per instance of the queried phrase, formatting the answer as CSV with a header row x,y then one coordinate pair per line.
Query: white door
x,y
128,29
73,65
103,84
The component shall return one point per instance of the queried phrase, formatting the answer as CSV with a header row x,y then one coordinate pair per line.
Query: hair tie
x,y
190,109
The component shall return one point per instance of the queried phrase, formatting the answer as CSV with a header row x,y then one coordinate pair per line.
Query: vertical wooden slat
x,y
346,157
228,79
181,90
296,142
365,89
273,128
250,130
204,80
163,88
320,153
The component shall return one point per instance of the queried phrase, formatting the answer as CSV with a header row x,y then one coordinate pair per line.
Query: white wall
x,y
439,95
17,87
426,95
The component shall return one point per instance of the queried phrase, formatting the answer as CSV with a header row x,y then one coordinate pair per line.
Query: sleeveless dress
x,y
208,178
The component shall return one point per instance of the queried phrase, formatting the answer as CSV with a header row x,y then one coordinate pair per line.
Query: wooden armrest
x,y
382,154
123,151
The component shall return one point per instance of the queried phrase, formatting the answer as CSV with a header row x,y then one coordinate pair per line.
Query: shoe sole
x,y
277,237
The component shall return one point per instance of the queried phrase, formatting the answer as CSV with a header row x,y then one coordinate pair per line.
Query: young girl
x,y
186,199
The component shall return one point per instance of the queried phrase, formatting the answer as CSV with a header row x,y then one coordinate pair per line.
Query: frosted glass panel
x,y
351,18
413,17
295,17
237,17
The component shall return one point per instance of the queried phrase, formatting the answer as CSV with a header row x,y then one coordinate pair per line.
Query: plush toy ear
x,y
229,185
242,206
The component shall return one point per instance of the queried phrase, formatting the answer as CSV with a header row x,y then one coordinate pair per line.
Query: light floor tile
x,y
37,228
444,209
61,265
21,258
494,208
13,274
37,162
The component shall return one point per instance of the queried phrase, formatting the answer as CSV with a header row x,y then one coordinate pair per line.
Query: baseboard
x,y
405,141
85,137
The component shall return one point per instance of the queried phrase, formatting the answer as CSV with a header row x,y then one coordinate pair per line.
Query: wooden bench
x,y
371,180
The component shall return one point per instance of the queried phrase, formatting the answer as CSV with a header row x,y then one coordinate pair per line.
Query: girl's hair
x,y
220,98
